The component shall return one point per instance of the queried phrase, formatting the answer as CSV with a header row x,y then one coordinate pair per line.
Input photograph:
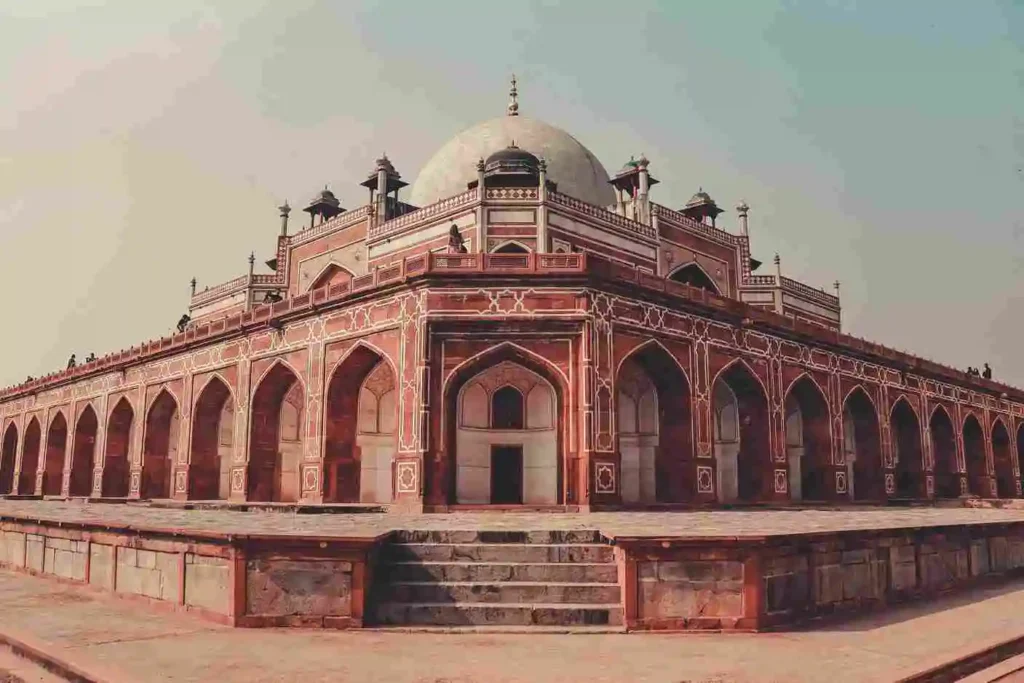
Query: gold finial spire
x,y
513,99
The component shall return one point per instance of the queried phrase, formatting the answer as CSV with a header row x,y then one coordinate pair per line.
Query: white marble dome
x,y
576,170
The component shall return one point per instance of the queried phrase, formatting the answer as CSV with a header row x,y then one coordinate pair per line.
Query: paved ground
x,y
130,643
691,523
14,669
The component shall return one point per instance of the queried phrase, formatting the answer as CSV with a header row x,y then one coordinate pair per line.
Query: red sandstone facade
x,y
555,353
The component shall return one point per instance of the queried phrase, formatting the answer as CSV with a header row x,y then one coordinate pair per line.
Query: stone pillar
x,y
702,407
311,490
542,214
240,443
69,449
99,453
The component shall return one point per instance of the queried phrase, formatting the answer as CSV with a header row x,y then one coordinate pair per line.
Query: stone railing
x,y
687,223
342,220
520,193
602,215
432,211
221,290
810,293
761,280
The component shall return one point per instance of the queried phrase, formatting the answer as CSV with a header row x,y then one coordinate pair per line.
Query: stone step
x,y
508,614
524,592
491,572
510,629
492,537
497,552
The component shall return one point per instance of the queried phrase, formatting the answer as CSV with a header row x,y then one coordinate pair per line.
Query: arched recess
x,y
30,458
808,442
160,446
943,436
694,275
1020,447
906,440
116,467
213,435
974,457
1002,458
332,274
360,419
511,248
8,454
84,453
654,428
742,437
275,437
56,447
488,465
862,448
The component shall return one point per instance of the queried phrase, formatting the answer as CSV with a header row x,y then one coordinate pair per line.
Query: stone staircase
x,y
504,580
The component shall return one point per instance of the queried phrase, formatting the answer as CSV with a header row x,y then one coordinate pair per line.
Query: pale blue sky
x,y
877,142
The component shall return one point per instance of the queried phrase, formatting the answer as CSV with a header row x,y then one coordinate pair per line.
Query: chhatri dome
x,y
572,166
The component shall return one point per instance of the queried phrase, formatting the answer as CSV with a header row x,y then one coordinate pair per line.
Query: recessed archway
x,y
332,274
213,436
116,468
695,276
8,454
862,448
160,447
906,440
360,420
56,447
275,437
83,453
745,468
30,458
511,248
808,442
974,458
943,436
1003,460
654,428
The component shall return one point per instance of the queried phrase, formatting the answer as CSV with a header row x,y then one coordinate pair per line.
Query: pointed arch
x,y
654,427
810,378
360,438
746,468
273,474
83,454
116,466
212,447
905,427
943,438
808,440
974,456
1002,459
160,446
693,274
8,455
332,274
510,349
56,451
862,442
511,247
30,457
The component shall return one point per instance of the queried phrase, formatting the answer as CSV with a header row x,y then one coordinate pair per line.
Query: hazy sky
x,y
880,143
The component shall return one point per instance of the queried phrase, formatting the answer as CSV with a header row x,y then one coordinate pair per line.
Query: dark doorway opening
x,y
507,475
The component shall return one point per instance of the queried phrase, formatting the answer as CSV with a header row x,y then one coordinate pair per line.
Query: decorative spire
x,y
252,262
513,99
836,285
193,283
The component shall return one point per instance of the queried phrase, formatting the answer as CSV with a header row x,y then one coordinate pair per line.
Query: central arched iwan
x,y
30,458
741,437
943,437
1002,458
974,458
160,447
905,430
84,453
56,449
116,467
213,437
862,448
275,437
808,443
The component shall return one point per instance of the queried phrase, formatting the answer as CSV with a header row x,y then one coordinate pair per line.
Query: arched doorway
x,y
360,429
745,470
503,414
862,448
30,458
160,447
56,446
906,440
974,458
808,443
511,248
1002,459
8,454
695,276
654,428
213,437
275,437
943,436
83,453
116,468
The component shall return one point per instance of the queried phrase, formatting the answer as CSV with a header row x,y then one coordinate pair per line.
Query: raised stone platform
x,y
736,570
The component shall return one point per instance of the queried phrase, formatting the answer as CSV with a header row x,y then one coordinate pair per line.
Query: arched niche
x,y
333,274
84,453
694,275
808,442
654,428
116,468
275,437
741,442
905,431
8,454
1002,458
974,458
213,437
56,450
943,438
862,448
511,248
30,458
160,447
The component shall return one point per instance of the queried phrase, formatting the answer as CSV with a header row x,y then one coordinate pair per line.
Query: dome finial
x,y
513,99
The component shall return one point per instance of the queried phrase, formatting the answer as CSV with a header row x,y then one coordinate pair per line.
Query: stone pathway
x,y
704,524
133,644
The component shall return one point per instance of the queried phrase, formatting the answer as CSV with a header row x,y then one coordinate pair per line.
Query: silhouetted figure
x,y
90,358
455,243
29,379
72,362
987,372
272,297
183,322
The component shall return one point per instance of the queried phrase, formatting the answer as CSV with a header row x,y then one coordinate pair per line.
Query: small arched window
x,y
511,248
507,409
